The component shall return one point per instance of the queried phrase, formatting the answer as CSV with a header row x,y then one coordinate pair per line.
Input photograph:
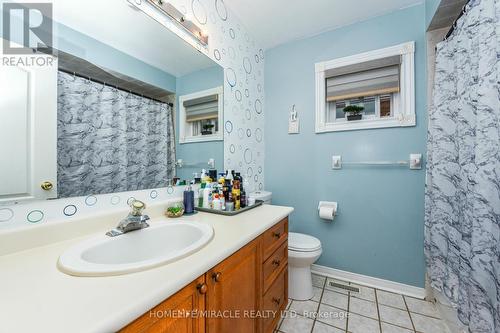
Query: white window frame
x,y
183,136
403,103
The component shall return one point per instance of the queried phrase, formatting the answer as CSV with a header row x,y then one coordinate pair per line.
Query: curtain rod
x,y
110,85
454,25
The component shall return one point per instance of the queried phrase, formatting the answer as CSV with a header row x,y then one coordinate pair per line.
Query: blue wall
x,y
379,229
431,7
201,151
98,53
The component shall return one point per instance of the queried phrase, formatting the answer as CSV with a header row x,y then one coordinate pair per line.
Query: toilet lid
x,y
303,243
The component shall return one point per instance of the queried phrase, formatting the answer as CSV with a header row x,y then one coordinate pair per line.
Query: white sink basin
x,y
135,251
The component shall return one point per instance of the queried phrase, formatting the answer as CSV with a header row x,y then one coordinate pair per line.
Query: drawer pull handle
x,y
276,234
276,262
277,300
217,276
202,288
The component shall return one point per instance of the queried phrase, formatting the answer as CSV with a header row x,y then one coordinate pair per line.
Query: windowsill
x,y
202,138
366,124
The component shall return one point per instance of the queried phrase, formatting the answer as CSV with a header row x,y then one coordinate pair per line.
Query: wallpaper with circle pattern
x,y
234,49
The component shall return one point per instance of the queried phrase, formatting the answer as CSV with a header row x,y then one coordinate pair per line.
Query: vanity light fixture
x,y
166,14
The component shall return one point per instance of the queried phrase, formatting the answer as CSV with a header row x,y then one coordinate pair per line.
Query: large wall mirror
x,y
124,106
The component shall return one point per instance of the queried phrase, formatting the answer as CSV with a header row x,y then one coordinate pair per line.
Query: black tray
x,y
235,212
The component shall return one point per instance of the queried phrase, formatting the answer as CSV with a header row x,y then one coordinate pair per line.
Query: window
x,y
201,116
375,107
380,82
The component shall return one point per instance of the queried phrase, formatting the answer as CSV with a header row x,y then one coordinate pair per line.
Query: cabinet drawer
x,y
274,237
275,299
275,264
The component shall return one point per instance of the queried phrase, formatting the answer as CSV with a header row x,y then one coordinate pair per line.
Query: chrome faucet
x,y
135,220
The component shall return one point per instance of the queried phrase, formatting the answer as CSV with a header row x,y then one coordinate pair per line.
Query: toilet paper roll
x,y
327,213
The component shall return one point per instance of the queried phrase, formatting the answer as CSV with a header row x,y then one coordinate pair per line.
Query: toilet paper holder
x,y
329,204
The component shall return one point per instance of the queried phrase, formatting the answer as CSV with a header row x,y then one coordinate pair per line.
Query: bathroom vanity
x,y
247,290
242,270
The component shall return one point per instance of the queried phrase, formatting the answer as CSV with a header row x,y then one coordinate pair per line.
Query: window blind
x,y
202,108
376,77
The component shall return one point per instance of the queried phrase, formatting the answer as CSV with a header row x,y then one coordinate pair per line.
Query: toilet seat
x,y
303,243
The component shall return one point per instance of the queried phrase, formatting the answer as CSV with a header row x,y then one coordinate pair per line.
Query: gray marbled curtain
x,y
462,220
109,140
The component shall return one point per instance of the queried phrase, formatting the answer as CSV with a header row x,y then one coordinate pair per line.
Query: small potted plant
x,y
175,210
354,112
207,129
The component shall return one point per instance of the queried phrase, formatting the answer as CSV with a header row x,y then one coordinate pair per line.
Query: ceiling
x,y
274,22
132,32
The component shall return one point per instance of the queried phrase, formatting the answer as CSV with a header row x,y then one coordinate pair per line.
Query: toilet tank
x,y
262,195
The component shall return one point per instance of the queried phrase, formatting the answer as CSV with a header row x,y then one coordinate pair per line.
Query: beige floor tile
x,y
335,299
360,324
422,307
318,280
391,299
426,324
395,316
296,324
388,328
332,316
364,292
363,307
319,327
304,308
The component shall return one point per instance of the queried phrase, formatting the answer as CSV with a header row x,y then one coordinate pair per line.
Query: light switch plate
x,y
293,127
293,121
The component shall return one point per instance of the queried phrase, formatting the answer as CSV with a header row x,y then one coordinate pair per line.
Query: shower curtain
x,y
109,140
462,220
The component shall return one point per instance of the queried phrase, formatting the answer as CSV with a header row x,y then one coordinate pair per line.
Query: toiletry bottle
x,y
207,192
222,198
222,179
229,203
204,176
236,194
216,203
212,173
243,198
188,200
237,176
201,194
197,179
229,175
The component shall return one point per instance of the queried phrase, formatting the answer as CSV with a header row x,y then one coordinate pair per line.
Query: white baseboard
x,y
369,281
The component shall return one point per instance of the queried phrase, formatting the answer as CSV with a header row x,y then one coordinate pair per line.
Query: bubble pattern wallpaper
x,y
233,48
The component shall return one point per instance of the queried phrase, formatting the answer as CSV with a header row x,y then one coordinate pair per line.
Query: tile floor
x,y
334,310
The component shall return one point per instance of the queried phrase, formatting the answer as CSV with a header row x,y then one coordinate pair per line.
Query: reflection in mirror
x,y
130,99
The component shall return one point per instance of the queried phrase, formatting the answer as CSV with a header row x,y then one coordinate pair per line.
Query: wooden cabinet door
x,y
234,289
180,313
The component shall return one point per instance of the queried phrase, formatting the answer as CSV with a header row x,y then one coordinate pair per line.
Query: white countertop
x,y
36,297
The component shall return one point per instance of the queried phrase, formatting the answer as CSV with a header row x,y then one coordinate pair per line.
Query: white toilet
x,y
303,251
